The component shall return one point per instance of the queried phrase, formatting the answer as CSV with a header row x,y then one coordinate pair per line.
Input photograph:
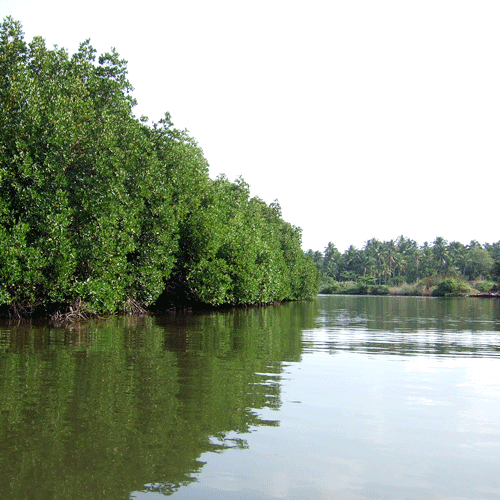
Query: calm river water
x,y
335,398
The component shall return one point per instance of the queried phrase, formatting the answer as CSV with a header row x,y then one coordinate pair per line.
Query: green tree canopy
x,y
101,210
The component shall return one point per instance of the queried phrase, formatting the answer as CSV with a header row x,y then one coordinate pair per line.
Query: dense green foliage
x,y
450,287
100,209
402,261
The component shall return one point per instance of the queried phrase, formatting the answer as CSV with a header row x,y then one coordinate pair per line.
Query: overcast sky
x,y
364,118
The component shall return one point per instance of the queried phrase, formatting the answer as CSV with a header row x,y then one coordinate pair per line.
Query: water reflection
x,y
251,402
407,326
111,406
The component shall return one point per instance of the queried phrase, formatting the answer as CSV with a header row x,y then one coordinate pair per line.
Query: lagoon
x,y
343,397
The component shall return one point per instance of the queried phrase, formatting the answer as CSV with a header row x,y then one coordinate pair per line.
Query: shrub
x,y
396,281
330,287
404,289
483,286
97,207
379,290
451,287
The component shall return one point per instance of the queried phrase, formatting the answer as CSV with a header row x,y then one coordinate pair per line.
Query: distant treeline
x,y
404,261
101,211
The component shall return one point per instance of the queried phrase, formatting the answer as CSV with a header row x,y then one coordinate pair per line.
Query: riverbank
x,y
77,311
489,295
432,286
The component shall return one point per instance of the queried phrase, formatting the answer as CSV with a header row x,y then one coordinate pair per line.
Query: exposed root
x,y
134,307
76,312
18,312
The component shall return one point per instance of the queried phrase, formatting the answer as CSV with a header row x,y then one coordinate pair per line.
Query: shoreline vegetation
x,y
435,286
402,267
102,212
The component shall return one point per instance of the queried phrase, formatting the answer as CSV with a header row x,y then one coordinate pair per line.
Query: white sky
x,y
364,118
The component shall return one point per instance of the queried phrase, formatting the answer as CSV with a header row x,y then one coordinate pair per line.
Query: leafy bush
x,y
483,286
495,271
367,280
396,281
404,289
363,289
329,286
451,287
379,290
100,208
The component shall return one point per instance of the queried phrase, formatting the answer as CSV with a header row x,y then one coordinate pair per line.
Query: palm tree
x,y
331,261
440,253
457,257
351,260
390,251
375,252
400,263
